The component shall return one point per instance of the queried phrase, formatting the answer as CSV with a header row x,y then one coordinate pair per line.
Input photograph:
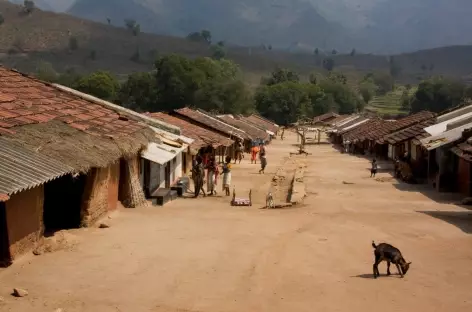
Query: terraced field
x,y
389,104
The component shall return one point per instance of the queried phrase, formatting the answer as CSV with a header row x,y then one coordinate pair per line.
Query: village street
x,y
204,255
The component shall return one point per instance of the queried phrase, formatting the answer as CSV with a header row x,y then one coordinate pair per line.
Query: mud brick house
x,y
462,163
158,167
205,120
203,139
65,161
442,137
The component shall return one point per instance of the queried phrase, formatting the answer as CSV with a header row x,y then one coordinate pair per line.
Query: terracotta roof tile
x,y
26,100
325,117
202,137
262,122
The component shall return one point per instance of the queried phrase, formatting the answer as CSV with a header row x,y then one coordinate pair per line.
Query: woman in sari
x,y
211,175
227,175
254,151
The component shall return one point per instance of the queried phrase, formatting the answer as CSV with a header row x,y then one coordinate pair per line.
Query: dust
x,y
61,240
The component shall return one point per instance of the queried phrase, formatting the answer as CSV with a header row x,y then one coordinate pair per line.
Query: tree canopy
x,y
438,94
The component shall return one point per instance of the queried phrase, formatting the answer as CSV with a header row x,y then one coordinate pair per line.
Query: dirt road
x,y
203,255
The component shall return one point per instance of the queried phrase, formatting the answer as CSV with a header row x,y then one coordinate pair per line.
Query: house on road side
x,y
66,160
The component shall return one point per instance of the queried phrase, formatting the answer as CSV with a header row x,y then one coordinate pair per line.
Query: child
x,y
227,175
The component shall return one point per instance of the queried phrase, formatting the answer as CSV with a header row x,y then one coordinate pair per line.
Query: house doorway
x,y
5,257
62,203
167,174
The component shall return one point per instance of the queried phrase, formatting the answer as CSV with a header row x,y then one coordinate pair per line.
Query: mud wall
x,y
24,216
100,194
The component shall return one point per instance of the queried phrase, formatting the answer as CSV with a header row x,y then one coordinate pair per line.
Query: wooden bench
x,y
241,201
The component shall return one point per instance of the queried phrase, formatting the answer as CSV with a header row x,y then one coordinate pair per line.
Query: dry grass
x,y
76,148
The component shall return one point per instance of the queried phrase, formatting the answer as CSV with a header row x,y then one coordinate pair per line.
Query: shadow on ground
x,y
428,191
461,219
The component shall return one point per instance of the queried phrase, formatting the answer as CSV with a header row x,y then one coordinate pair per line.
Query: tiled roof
x,y
416,131
463,150
211,122
360,131
375,131
325,117
22,169
25,101
202,136
252,131
338,119
347,126
261,121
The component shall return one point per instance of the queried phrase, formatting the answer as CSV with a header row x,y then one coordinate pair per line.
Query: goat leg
x,y
399,270
388,268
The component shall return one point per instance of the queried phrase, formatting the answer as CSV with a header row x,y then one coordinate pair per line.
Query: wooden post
x,y
319,136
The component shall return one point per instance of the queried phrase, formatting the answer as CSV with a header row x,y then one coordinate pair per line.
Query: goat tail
x,y
373,244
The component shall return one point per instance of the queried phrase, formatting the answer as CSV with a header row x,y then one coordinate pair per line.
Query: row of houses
x,y
68,158
436,147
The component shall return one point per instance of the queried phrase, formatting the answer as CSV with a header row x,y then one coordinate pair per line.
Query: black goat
x,y
386,252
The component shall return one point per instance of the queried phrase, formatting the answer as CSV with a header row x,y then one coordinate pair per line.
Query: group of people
x,y
213,169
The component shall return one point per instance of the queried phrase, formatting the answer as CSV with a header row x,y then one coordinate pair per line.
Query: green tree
x,y
108,21
334,52
93,55
206,34
224,96
2,19
353,52
405,100
367,90
130,24
438,94
70,78
316,52
46,72
101,84
284,102
280,75
218,52
383,81
337,77
139,92
343,96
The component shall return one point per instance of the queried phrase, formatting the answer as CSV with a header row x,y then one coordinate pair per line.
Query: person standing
x,y
227,175
373,170
198,175
239,152
262,155
212,169
254,151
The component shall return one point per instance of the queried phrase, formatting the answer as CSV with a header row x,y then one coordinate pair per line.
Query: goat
x,y
386,252
270,201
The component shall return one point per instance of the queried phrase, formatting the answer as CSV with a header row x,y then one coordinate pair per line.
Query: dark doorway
x,y
167,174
62,202
5,257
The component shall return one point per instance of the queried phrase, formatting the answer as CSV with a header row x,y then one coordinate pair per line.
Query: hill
x,y
45,36
367,25
246,22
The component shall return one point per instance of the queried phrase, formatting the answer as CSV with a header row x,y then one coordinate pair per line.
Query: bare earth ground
x,y
203,255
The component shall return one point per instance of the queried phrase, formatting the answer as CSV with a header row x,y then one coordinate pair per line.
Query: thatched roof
x,y
76,148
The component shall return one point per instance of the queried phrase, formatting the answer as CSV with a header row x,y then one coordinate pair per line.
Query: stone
x,y
104,225
18,292
2,300
59,310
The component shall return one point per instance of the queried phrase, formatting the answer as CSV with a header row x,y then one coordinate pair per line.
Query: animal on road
x,y
386,252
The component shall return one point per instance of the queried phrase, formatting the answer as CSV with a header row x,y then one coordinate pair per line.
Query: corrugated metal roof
x,y
441,127
22,169
172,136
160,153
433,142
